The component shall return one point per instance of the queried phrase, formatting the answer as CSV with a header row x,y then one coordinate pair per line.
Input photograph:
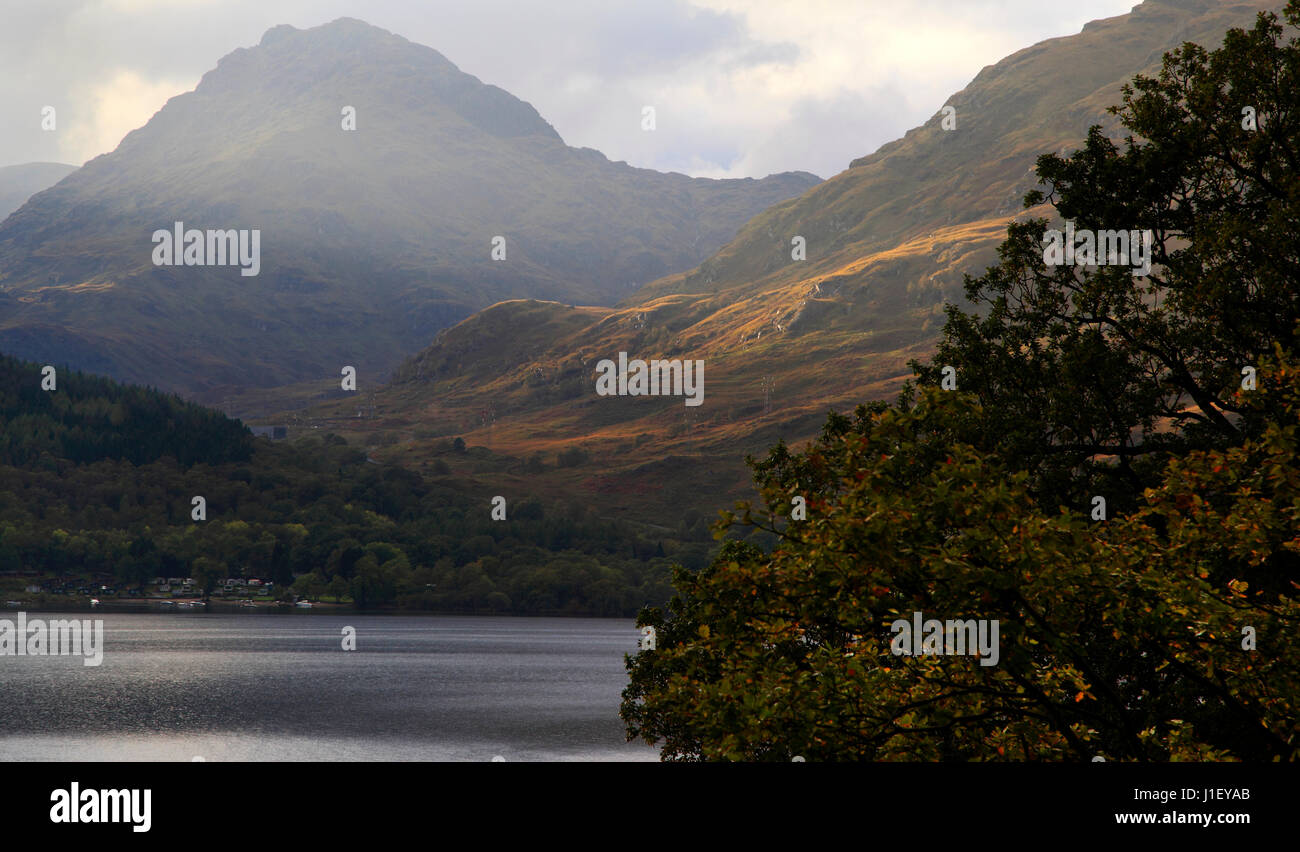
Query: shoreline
x,y
154,606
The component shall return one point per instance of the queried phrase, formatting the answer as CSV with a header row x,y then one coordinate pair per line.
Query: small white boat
x,y
94,601
303,604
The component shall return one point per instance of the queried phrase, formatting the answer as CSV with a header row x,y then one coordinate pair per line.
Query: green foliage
x,y
1123,638
96,479
1072,362
1119,639
89,418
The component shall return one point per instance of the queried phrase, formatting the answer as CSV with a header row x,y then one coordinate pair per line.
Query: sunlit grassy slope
x,y
888,242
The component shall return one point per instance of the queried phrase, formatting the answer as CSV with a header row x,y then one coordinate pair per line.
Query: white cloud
x,y
864,72
742,87
112,108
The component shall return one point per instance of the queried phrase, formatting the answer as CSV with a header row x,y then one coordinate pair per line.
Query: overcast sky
x,y
742,88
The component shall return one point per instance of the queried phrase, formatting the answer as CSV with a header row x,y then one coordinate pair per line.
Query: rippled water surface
x,y
280,687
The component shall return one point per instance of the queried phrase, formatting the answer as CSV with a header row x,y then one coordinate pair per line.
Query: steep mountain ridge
x,y
888,242
372,239
19,183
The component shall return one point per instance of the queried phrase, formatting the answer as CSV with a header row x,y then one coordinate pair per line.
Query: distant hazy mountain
x,y
371,240
887,243
19,183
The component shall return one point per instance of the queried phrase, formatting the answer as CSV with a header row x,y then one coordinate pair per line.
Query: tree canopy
x,y
97,479
1159,623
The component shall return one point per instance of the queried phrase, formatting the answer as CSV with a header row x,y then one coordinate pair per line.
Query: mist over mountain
x,y
21,182
887,244
371,240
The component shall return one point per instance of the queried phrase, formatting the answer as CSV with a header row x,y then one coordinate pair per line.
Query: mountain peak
x,y
382,178
337,31
352,62
342,34
276,33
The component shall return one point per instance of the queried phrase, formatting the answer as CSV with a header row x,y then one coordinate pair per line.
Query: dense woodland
x,y
96,478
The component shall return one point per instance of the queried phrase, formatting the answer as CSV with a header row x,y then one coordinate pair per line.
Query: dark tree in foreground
x,y
1167,630
1076,364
